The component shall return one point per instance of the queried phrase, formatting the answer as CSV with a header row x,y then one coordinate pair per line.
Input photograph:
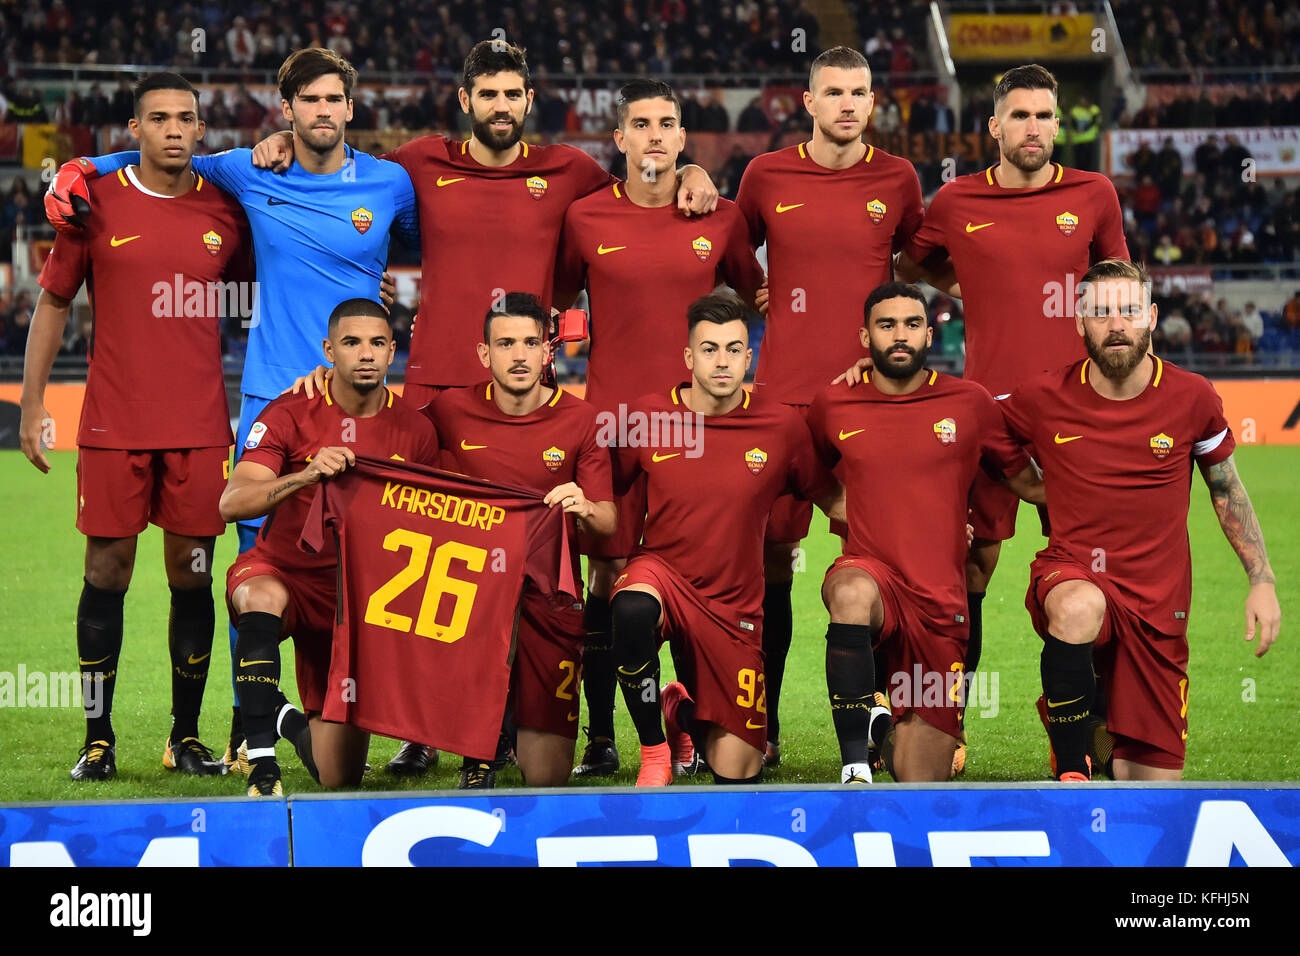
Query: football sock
x,y
735,781
851,681
881,658
289,720
189,638
778,624
635,615
247,535
257,674
598,667
99,643
975,616
1069,688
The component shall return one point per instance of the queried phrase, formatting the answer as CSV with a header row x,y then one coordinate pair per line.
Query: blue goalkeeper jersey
x,y
318,240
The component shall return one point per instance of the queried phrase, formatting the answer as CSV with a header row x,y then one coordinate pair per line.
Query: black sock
x,y
99,644
1069,688
598,667
734,781
257,675
236,724
635,615
851,682
778,625
975,615
189,638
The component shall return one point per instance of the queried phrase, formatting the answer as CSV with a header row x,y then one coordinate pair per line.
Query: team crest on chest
x,y
1067,222
362,218
755,459
536,186
703,248
946,431
553,458
876,210
1161,445
212,241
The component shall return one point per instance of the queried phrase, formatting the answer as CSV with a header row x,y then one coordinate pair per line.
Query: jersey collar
x,y
803,154
1155,377
988,174
677,399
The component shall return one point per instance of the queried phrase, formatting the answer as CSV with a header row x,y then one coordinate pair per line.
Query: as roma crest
x,y
553,458
536,186
876,210
1067,222
361,219
1161,445
702,248
755,459
212,241
945,431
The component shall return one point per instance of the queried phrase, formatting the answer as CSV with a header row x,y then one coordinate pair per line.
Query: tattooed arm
x,y
254,490
1241,528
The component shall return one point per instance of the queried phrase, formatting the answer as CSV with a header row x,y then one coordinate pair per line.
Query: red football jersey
x,y
710,484
431,566
1019,255
292,428
484,231
154,267
907,462
642,267
1118,477
830,237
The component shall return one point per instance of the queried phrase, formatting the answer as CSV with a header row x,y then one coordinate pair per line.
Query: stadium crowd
x,y
1205,34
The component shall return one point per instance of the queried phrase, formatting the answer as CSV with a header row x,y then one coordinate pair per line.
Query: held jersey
x,y
157,270
1019,255
431,567
1118,477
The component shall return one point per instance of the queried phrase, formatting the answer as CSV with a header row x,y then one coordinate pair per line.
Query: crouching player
x,y
275,590
715,459
909,442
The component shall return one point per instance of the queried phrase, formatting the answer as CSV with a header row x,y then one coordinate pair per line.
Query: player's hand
x,y
570,497
275,152
1263,614
387,290
853,374
760,298
970,536
67,201
30,427
312,382
696,194
327,463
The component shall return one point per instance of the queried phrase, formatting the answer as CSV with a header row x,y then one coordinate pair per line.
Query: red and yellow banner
x,y
1014,36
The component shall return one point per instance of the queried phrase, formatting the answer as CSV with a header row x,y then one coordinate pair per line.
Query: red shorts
x,y
1142,672
417,396
631,523
926,657
717,650
547,669
993,509
309,619
119,492
791,517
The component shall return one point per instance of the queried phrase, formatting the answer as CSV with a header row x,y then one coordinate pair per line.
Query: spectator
x,y
753,118
884,117
1168,254
1252,321
1208,160
241,47
1168,169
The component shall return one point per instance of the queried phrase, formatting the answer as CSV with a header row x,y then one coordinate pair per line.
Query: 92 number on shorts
x,y
439,582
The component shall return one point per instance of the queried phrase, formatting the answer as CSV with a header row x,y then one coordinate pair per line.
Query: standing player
x,y
154,437
1116,434
514,428
275,590
643,261
694,581
899,584
870,202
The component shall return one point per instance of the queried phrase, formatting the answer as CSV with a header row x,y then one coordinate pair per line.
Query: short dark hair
x,y
840,57
646,89
892,290
717,307
163,81
494,56
304,67
523,304
358,308
1107,269
1031,76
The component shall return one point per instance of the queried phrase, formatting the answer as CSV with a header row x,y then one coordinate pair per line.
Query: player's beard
x,y
497,142
883,364
832,133
366,387
508,385
321,141
1117,366
1029,162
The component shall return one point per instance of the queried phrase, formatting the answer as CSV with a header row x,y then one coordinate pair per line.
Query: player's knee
x,y
635,616
1075,610
189,562
851,597
109,563
262,595
338,778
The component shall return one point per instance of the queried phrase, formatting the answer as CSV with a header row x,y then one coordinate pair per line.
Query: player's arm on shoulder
x,y
275,152
230,169
43,340
696,193
254,490
1241,527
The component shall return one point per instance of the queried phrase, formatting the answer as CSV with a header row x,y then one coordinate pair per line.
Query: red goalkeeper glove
x,y
67,201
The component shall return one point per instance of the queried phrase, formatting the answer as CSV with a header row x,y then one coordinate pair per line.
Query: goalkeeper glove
x,y
67,201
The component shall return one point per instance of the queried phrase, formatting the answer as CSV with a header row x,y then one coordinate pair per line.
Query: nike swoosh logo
x,y
448,182
115,242
656,457
470,447
602,250
750,725
1062,703
93,663
242,571
1062,441
571,717
971,227
844,434
272,201
244,663
781,207
199,660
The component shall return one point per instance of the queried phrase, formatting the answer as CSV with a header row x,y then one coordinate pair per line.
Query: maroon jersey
x,y
1118,477
908,462
553,444
431,566
642,267
484,231
830,237
710,485
154,267
1019,255
292,428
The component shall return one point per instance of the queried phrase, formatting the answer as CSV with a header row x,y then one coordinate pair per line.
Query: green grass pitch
x,y
1243,710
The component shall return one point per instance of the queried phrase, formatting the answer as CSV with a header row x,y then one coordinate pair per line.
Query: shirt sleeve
x,y
269,440
112,162
740,266
590,177
1001,455
1017,413
913,209
570,267
626,463
1215,441
816,425
430,452
750,201
1108,241
231,170
595,472
928,245
406,216
66,266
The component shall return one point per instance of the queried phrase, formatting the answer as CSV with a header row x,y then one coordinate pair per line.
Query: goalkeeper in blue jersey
x,y
320,237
